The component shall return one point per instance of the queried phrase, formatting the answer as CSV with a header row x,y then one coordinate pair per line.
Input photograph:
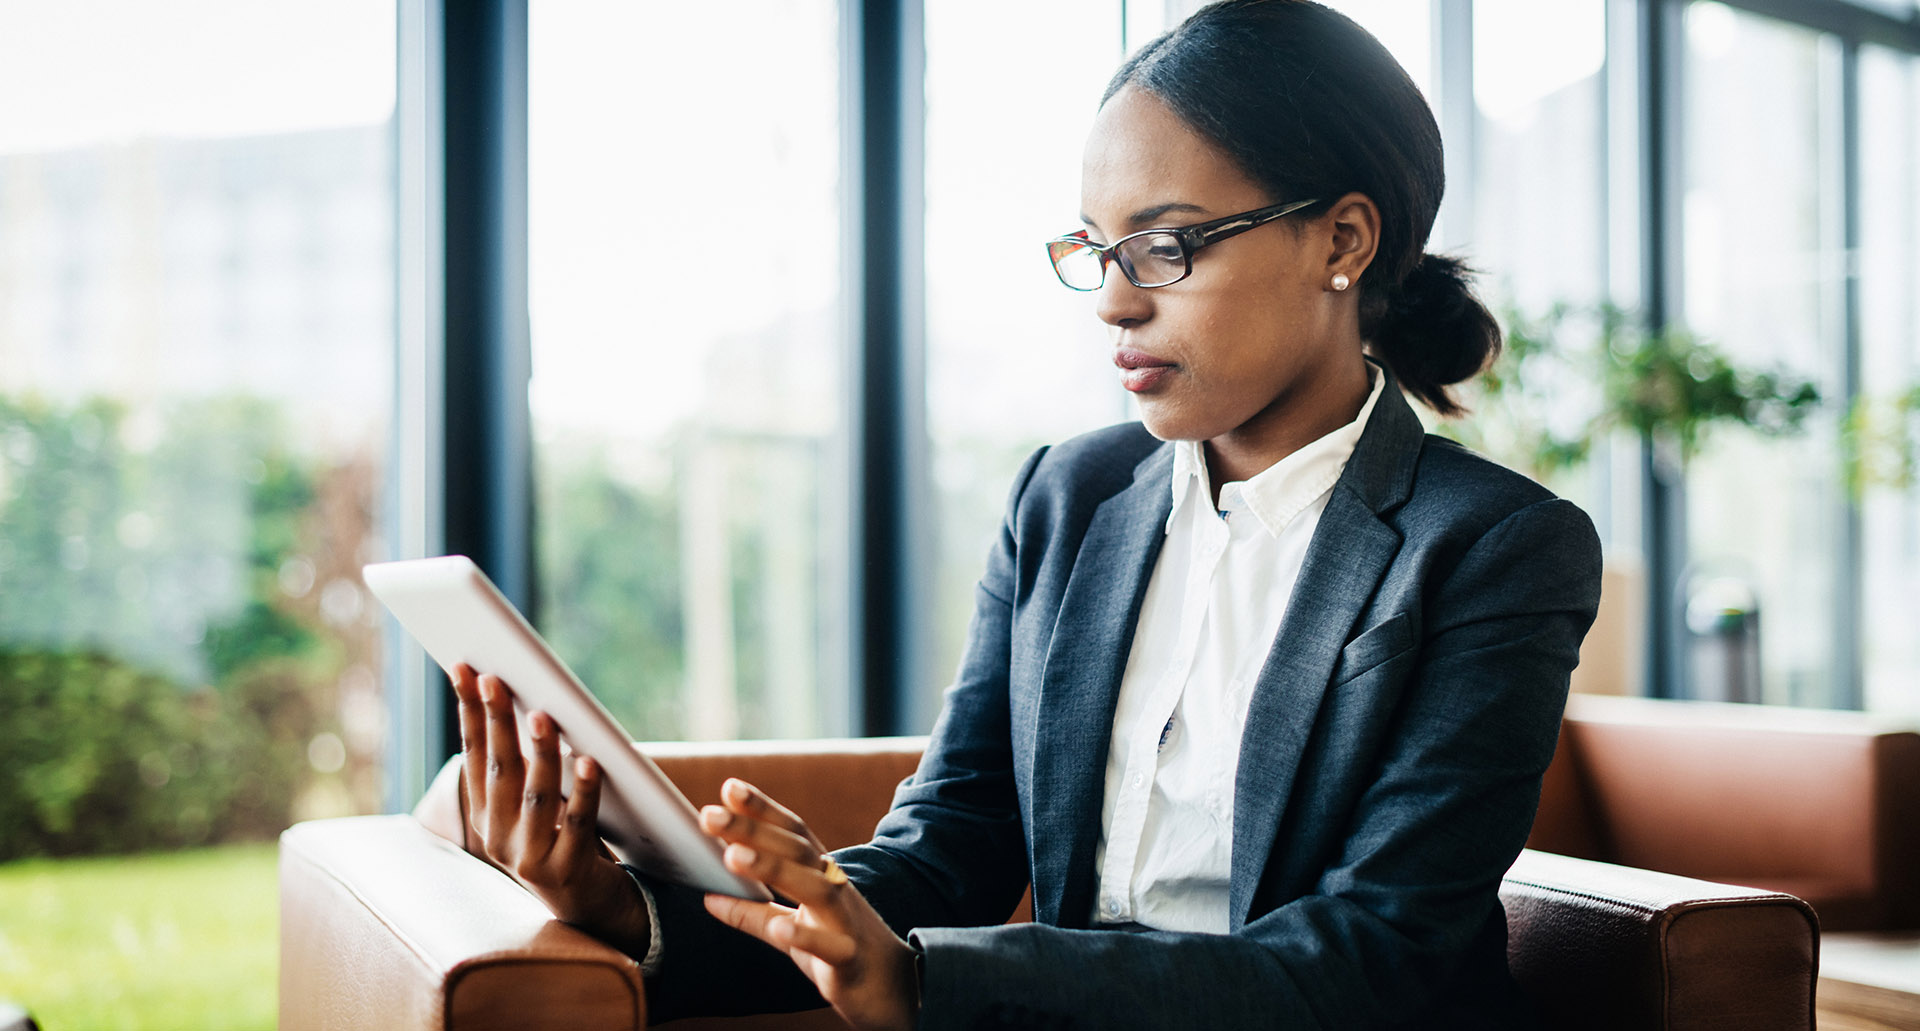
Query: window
x,y
1539,164
195,326
196,338
1760,232
685,299
1889,270
1405,28
1014,361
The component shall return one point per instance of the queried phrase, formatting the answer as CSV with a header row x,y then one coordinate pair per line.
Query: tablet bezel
x,y
456,613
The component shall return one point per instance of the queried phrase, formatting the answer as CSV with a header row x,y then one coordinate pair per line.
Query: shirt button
x,y
1114,908
1139,779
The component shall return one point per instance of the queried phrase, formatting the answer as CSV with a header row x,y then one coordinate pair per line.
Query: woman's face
x,y
1254,343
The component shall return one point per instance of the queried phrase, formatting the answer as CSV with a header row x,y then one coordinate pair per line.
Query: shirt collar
x,y
1283,490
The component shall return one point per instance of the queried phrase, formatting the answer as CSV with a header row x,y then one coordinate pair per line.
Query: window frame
x,y
462,473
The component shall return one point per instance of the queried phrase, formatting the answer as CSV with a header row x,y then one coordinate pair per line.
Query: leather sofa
x,y
387,921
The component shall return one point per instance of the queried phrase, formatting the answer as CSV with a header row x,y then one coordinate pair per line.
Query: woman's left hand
x,y
856,961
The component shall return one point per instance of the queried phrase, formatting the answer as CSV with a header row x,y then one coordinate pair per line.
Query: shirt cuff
x,y
650,963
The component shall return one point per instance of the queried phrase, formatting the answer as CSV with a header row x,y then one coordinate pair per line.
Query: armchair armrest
x,y
388,923
384,924
1611,947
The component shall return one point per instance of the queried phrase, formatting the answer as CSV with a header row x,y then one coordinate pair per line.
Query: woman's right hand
x,y
515,810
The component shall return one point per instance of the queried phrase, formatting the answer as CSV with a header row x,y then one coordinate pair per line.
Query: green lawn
x,y
181,940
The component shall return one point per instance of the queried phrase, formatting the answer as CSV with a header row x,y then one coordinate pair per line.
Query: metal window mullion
x,y
1459,118
1659,39
883,82
1840,18
488,469
1849,636
462,459
414,504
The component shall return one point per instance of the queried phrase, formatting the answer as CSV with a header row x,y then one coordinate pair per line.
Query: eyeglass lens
x,y
1149,259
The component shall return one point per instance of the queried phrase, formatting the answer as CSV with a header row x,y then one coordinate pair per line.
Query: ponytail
x,y
1431,331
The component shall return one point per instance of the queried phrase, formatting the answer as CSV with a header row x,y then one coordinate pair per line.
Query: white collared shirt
x,y
1212,610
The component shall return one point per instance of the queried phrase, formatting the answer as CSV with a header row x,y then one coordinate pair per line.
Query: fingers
x,y
744,914
505,770
824,943
745,799
768,843
473,742
732,828
540,799
804,880
784,928
579,835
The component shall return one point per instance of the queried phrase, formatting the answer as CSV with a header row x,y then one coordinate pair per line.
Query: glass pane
x,y
1404,27
685,278
1538,197
1890,366
1018,360
1760,274
1539,236
196,338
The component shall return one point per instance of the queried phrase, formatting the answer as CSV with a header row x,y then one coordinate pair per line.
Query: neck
x,y
1298,417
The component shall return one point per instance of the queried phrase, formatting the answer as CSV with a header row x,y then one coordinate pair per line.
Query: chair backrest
x,y
1823,805
840,786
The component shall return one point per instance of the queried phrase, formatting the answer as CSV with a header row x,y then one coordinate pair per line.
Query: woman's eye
x,y
1164,250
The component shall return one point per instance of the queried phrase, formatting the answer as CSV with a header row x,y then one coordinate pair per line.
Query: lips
x,y
1140,371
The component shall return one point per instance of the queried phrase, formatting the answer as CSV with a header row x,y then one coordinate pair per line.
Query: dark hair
x,y
1310,105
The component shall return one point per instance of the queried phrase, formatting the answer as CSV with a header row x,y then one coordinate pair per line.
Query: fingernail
x,y
540,724
715,817
741,855
735,791
583,768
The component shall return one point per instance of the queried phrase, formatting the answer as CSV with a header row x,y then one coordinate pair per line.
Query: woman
x,y
1258,692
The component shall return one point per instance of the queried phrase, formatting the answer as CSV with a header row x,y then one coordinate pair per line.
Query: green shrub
x,y
100,756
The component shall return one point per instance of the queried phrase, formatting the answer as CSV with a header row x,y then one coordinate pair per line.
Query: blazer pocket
x,y
1378,644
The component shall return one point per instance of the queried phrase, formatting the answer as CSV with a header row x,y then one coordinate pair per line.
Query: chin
x,y
1177,425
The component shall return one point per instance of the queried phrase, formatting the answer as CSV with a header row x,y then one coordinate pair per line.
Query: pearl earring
x,y
1340,281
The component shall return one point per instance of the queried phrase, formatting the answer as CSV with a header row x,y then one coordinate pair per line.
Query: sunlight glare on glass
x,y
1711,29
643,217
190,69
1529,50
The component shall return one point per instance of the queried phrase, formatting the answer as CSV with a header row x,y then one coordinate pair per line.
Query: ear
x,y
1353,235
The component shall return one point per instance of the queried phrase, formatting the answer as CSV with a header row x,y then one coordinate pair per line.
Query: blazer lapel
x,y
1080,685
1350,552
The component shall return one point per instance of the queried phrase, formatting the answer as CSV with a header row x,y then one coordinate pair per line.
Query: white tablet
x,y
456,613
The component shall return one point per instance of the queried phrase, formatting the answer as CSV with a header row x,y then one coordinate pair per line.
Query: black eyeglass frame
x,y
1191,238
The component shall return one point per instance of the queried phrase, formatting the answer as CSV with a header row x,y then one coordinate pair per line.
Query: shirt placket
x,y
1209,546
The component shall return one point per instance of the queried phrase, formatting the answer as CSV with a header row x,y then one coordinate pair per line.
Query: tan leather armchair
x,y
387,923
1822,805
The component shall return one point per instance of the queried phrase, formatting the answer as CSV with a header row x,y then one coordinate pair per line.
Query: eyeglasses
x,y
1152,257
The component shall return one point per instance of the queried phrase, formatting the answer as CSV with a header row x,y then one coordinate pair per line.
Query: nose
x,y
1119,303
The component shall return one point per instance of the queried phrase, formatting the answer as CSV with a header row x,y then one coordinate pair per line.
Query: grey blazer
x,y
1388,774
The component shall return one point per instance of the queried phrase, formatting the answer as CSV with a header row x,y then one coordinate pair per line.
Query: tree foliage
x,y
159,684
1570,378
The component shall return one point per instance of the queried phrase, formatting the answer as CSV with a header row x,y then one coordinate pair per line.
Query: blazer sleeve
x,y
1378,940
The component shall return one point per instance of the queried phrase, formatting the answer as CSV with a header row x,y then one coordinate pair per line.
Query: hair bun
x,y
1434,333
